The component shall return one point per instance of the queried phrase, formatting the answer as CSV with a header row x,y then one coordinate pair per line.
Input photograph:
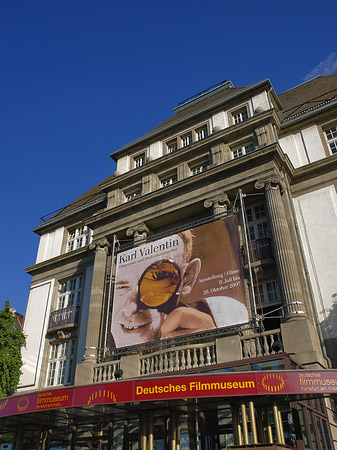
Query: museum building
x,y
188,300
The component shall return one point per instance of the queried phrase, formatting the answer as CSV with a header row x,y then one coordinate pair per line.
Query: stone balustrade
x,y
105,371
173,359
261,344
179,358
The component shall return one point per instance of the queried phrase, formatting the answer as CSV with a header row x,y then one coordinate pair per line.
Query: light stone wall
x,y
35,328
317,218
50,245
123,164
155,150
261,101
303,147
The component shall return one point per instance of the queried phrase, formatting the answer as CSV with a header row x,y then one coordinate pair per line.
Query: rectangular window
x,y
201,133
60,368
78,238
199,166
172,146
139,160
70,293
167,180
267,293
331,136
257,222
131,194
243,150
240,116
186,140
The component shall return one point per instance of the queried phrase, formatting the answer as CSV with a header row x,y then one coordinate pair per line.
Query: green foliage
x,y
11,341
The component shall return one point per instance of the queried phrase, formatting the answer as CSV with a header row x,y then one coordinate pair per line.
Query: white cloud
x,y
326,67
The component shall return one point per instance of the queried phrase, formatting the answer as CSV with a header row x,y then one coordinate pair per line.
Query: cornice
x,y
231,133
58,261
176,124
314,169
229,169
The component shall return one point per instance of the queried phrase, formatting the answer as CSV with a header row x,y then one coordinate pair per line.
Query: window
x,y
166,180
257,222
331,136
60,368
199,166
132,193
267,293
240,115
78,238
243,150
70,293
139,160
186,140
172,146
201,133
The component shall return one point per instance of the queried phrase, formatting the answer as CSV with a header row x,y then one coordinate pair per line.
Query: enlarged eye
x,y
158,283
160,275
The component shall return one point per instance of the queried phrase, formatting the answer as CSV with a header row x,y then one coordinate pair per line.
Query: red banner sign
x,y
169,388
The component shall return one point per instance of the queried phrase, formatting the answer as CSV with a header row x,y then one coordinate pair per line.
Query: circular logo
x,y
273,382
23,403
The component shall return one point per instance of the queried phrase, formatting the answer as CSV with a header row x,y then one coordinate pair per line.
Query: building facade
x,y
250,177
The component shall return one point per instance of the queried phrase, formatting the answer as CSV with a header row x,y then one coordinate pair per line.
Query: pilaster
x,y
96,298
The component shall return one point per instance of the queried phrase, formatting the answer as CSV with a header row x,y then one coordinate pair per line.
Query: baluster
x,y
195,358
160,368
188,352
258,346
201,356
272,340
265,345
141,367
245,349
208,356
176,360
151,365
165,362
183,360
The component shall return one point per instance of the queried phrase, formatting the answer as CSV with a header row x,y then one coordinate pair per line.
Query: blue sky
x,y
81,78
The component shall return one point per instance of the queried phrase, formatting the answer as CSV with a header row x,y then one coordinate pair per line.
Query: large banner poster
x,y
185,283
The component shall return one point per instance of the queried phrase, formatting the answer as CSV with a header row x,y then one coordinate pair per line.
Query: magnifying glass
x,y
159,284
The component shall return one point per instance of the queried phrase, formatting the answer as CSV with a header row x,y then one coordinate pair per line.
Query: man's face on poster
x,y
133,321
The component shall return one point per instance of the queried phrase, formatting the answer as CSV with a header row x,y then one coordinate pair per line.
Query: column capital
x,y
139,231
272,182
219,203
100,244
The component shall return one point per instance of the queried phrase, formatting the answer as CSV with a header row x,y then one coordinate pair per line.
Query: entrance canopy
x,y
59,405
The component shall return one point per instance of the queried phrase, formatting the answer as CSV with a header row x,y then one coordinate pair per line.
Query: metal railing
x,y
260,249
64,316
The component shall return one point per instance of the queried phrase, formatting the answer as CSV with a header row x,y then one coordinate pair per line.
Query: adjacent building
x,y
188,301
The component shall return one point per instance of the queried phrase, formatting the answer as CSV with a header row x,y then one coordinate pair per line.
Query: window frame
x,y
239,110
61,365
199,166
75,238
168,179
70,293
141,156
132,193
333,140
243,149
